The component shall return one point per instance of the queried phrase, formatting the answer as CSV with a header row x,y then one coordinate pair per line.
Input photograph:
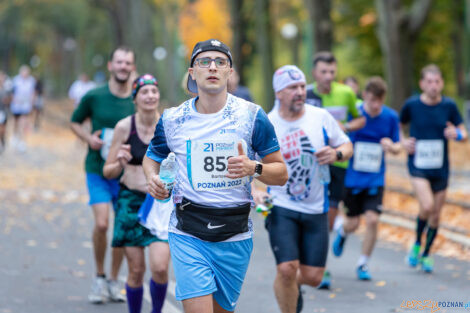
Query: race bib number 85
x,y
207,162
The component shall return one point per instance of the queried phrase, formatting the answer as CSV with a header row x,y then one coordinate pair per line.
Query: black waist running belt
x,y
209,223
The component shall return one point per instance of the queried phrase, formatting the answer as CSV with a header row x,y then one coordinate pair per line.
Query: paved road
x,y
46,256
46,266
392,284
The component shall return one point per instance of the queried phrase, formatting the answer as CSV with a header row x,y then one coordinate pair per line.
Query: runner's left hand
x,y
326,155
386,143
240,166
259,195
450,132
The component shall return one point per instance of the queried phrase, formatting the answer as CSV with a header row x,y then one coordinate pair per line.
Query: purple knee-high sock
x,y
134,298
158,293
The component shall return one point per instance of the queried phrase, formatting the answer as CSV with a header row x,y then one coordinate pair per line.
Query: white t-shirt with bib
x,y
299,140
203,143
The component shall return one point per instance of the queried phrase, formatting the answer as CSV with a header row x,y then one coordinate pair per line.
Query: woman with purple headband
x,y
131,138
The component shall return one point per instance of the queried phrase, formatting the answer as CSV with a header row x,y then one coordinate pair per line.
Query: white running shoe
x,y
99,291
339,221
115,293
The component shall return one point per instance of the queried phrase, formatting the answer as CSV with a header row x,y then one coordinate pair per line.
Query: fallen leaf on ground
x,y
370,295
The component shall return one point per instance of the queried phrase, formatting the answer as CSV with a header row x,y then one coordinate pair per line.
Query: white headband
x,y
286,76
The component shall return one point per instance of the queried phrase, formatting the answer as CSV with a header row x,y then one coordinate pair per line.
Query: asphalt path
x,y
46,266
46,262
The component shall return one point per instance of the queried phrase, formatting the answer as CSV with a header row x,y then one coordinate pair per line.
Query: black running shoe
x,y
300,301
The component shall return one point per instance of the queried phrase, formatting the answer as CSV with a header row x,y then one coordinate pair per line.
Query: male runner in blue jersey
x,y
434,120
365,176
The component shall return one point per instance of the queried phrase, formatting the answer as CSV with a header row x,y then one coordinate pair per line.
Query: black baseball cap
x,y
202,46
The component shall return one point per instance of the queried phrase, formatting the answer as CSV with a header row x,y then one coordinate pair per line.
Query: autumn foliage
x,y
205,19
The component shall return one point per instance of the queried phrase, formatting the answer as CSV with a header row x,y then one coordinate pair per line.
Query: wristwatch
x,y
258,169
339,155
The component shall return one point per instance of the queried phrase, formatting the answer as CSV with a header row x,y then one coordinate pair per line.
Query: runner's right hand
x,y
409,144
157,189
124,155
95,141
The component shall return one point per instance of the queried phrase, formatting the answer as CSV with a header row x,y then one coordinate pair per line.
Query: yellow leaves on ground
x,y
53,162
205,19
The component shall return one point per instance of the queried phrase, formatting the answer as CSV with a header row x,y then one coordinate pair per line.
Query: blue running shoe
x,y
338,245
413,256
326,281
363,273
427,264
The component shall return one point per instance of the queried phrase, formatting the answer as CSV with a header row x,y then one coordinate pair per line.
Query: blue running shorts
x,y
101,190
202,268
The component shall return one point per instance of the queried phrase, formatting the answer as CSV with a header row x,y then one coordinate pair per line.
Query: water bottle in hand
x,y
265,207
168,174
324,174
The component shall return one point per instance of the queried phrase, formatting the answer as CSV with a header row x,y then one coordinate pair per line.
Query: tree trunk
x,y
117,21
320,15
396,31
458,39
264,46
132,24
140,35
171,68
238,23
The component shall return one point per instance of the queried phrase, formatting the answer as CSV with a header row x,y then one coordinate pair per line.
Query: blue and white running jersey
x,y
203,143
299,140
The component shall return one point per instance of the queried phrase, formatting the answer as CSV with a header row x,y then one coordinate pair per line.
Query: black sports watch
x,y
339,155
258,169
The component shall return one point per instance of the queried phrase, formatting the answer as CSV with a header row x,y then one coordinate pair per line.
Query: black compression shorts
x,y
298,236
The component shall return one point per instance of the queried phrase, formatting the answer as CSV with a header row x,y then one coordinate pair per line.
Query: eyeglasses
x,y
206,62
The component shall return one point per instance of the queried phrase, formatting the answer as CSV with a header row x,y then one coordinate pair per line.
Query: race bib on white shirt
x,y
107,137
339,113
367,157
429,154
207,162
